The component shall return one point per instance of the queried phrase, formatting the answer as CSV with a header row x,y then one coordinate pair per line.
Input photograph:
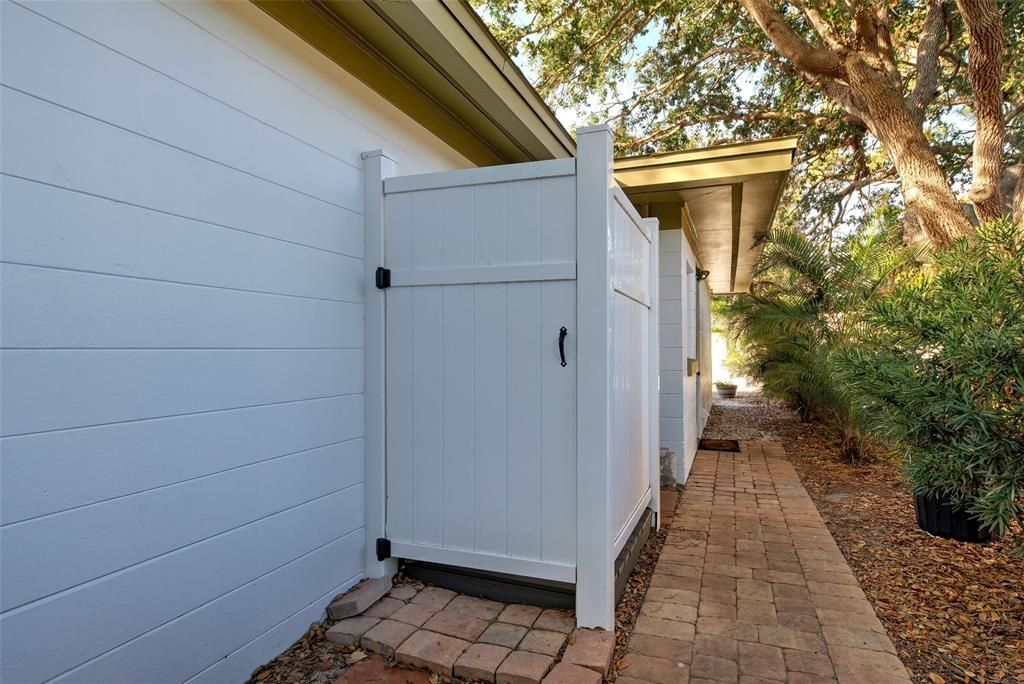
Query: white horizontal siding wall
x,y
670,340
704,331
182,327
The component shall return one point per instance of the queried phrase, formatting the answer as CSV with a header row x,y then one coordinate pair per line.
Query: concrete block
x,y
359,598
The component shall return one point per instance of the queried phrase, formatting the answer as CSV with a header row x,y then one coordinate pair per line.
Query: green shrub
x,y
940,374
806,304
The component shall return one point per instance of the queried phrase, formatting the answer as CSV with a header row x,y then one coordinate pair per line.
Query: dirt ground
x,y
955,611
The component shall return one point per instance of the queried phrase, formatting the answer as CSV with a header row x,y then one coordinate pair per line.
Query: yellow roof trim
x,y
699,154
721,163
726,196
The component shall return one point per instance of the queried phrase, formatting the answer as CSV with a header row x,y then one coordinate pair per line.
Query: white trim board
x,y
512,273
550,168
634,517
556,572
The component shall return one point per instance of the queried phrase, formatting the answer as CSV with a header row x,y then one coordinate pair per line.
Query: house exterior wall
x,y
704,355
182,337
671,341
682,331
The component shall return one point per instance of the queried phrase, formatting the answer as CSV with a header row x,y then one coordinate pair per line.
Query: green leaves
x,y
942,372
806,306
672,74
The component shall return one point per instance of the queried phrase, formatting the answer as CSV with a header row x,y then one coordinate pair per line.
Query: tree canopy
x,y
912,103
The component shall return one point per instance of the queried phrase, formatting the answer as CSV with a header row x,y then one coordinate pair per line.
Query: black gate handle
x,y
561,343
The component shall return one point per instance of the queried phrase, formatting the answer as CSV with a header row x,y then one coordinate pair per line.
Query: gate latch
x,y
383,278
383,549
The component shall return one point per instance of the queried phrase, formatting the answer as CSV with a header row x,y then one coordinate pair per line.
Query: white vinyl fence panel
x,y
485,448
630,379
480,412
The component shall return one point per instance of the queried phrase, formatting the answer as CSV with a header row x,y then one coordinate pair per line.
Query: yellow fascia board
x,y
683,169
740,149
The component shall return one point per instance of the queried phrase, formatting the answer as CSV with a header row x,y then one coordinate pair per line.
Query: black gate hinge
x,y
383,549
383,278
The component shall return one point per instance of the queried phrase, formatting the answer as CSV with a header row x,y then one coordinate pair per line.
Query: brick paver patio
x,y
751,587
472,639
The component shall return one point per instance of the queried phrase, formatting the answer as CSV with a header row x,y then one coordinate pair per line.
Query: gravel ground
x,y
955,611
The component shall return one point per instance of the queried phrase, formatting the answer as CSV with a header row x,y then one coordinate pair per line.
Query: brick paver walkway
x,y
751,587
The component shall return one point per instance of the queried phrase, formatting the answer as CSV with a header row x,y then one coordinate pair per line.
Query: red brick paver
x,y
473,639
750,586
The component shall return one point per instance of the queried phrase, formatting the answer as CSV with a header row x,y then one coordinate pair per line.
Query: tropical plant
x,y
939,373
807,303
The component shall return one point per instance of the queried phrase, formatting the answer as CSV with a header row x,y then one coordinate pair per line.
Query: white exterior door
x,y
480,409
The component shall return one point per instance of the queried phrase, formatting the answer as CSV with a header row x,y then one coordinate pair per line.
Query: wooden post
x,y
595,572
376,167
653,373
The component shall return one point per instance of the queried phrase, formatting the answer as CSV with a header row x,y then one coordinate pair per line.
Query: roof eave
x,y
439,64
726,196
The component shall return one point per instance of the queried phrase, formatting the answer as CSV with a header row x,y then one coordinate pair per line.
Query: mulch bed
x,y
314,660
310,660
628,608
955,611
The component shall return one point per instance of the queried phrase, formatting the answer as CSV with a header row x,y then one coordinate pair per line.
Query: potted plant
x,y
726,390
940,376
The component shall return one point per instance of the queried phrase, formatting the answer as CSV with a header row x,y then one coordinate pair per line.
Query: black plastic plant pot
x,y
937,515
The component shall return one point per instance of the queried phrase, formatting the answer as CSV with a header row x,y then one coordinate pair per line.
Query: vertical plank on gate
x,y
399,362
428,372
524,374
558,388
595,575
376,167
491,374
459,386
653,372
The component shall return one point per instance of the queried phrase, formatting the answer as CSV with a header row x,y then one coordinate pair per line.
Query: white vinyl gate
x,y
511,370
480,411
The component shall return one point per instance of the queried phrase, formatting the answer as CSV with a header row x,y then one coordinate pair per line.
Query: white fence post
x,y
376,167
653,373
595,572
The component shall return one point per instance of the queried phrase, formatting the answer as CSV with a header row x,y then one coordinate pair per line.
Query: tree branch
x,y
810,58
1018,198
748,117
629,105
819,24
887,51
984,68
928,47
532,28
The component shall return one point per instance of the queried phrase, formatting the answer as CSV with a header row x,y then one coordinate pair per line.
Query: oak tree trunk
x,y
984,64
1018,197
926,192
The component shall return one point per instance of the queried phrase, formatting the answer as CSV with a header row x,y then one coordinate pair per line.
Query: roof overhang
x,y
438,63
723,198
